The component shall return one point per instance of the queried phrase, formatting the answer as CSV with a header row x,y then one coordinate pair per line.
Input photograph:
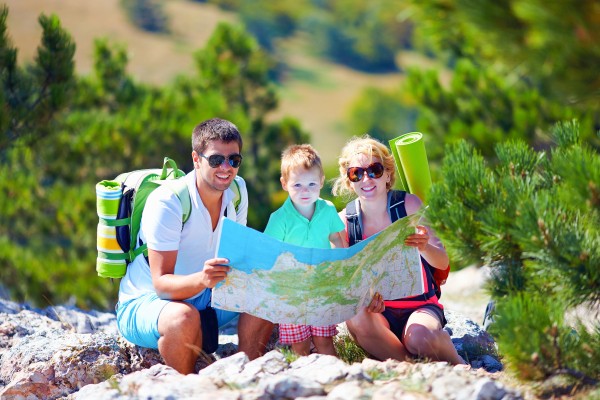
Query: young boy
x,y
309,221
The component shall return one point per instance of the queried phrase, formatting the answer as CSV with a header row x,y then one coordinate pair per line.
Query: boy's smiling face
x,y
303,185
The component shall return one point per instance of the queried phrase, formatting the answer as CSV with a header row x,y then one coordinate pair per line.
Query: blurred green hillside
x,y
316,91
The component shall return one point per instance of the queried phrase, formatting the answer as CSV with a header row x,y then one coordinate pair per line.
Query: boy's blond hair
x,y
299,155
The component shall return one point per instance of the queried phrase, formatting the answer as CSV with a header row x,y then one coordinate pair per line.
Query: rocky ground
x,y
464,292
66,353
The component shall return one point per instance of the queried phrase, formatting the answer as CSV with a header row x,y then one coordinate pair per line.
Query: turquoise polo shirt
x,y
288,225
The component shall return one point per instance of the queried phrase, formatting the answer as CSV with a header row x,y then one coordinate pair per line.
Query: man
x,y
160,298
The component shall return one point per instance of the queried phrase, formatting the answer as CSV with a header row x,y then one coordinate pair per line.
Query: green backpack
x,y
120,203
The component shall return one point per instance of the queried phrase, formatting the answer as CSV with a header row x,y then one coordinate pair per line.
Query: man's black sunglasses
x,y
215,160
374,171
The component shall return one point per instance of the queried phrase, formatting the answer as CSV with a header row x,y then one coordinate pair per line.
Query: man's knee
x,y
179,316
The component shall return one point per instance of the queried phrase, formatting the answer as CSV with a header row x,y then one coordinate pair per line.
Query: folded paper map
x,y
284,283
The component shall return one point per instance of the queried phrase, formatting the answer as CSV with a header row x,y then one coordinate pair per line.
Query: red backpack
x,y
397,211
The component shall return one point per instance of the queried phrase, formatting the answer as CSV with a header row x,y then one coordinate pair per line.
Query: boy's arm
x,y
337,227
337,239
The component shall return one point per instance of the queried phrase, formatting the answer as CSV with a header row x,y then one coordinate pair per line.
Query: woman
x,y
403,327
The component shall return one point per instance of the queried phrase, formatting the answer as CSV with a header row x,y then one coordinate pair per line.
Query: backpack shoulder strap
x,y
396,204
179,187
353,222
237,196
237,193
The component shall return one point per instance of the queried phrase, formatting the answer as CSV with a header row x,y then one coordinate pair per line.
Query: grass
x,y
347,349
288,354
378,375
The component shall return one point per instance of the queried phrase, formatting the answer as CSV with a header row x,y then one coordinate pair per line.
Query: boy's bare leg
x,y
253,334
324,345
302,348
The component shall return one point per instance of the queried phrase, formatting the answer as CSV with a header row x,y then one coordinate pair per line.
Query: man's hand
x,y
376,305
419,239
215,270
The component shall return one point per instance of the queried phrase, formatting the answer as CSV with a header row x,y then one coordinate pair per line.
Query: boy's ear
x,y
322,181
283,183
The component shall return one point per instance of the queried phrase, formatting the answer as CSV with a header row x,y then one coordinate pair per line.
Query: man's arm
x,y
180,287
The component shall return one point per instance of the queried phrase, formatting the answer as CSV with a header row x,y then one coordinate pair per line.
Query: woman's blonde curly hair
x,y
371,148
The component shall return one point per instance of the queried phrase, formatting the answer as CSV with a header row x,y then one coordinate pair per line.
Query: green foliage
x,y
362,34
545,345
531,211
148,15
31,97
459,227
46,243
553,43
534,218
381,114
484,107
270,20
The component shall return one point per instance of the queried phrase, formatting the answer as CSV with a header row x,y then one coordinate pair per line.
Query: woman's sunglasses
x,y
215,160
374,171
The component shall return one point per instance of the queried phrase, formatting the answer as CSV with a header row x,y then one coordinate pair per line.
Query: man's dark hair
x,y
214,129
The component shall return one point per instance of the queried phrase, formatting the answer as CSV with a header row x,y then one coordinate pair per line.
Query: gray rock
x,y
320,368
290,386
486,389
347,391
226,367
63,352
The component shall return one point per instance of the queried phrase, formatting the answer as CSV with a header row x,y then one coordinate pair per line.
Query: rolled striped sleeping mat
x,y
111,260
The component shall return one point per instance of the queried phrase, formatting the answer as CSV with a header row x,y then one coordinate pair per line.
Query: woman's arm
x,y
429,245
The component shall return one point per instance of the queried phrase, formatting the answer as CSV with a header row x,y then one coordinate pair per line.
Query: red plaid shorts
x,y
291,333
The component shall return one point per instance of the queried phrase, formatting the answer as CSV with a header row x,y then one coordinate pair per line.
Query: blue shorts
x,y
137,319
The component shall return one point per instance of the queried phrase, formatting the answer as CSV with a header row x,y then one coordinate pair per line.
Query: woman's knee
x,y
361,324
421,340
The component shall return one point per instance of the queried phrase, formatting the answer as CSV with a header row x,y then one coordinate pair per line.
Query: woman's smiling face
x,y
367,187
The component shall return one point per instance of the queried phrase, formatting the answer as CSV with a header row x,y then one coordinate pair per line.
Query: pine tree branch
x,y
587,380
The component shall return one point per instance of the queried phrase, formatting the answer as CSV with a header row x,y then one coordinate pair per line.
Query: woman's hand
x,y
376,305
419,239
